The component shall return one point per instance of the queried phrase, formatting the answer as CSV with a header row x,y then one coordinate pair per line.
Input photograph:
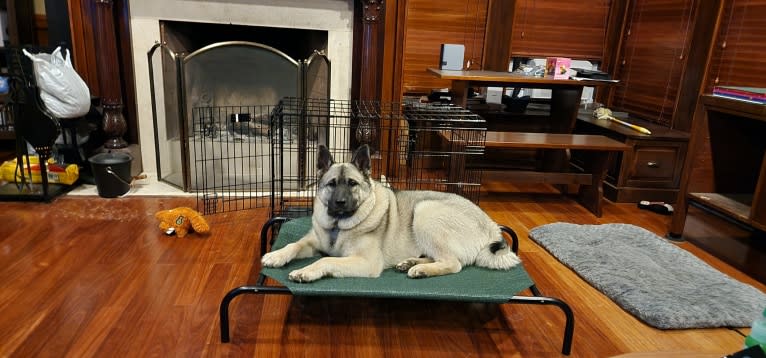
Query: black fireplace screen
x,y
265,156
226,78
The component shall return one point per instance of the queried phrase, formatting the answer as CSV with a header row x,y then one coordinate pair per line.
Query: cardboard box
x,y
557,67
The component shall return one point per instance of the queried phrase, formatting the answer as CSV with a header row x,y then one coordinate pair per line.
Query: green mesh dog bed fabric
x,y
472,284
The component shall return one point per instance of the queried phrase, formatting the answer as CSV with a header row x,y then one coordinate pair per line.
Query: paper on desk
x,y
592,79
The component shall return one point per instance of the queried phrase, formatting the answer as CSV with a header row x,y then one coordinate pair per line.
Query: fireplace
x,y
212,86
294,28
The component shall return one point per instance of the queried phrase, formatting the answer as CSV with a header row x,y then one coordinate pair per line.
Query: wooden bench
x,y
597,150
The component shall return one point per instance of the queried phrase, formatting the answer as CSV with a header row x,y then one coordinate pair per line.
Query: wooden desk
x,y
650,170
565,94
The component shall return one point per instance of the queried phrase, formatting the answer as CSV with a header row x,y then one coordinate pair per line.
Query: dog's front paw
x,y
405,265
418,271
304,275
275,259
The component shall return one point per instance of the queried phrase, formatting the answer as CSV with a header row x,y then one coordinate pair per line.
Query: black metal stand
x,y
261,288
34,126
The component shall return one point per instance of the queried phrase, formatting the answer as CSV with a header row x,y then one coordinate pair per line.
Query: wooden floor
x,y
86,276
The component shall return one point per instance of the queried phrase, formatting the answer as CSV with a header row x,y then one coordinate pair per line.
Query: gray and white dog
x,y
365,227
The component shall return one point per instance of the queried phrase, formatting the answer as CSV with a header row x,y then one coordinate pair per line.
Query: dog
x,y
364,227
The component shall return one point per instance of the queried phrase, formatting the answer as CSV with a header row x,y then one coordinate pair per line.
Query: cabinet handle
x,y
652,164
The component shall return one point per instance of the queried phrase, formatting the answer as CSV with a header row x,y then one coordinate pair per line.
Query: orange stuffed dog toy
x,y
182,220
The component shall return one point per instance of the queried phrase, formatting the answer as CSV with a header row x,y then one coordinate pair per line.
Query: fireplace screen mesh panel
x,y
216,80
265,156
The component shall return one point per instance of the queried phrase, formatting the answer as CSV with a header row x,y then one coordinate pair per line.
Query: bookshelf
x,y
737,152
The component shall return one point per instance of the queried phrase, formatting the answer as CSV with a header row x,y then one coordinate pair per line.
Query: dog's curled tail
x,y
497,256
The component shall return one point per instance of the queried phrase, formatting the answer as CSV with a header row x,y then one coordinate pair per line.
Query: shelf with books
x,y
755,95
734,107
738,162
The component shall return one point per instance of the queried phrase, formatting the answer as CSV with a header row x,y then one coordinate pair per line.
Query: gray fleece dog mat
x,y
656,281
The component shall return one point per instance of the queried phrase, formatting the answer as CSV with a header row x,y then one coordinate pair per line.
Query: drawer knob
x,y
652,164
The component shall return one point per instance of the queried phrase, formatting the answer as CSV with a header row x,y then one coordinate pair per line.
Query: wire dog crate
x,y
258,156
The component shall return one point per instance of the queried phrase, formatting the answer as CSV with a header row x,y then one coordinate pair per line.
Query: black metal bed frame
x,y
261,287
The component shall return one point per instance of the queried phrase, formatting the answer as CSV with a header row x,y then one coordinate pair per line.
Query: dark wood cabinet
x,y
738,161
725,174
650,170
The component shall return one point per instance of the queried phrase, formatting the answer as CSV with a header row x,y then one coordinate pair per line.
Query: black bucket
x,y
112,173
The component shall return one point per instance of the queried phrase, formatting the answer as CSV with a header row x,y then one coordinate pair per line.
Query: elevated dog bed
x,y
472,284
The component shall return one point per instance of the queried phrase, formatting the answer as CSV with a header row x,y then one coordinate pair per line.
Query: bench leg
x,y
592,196
556,161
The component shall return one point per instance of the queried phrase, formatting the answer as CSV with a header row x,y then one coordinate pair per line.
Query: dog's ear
x,y
361,159
324,159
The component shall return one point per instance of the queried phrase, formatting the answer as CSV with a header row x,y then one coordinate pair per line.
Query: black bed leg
x,y
514,238
566,346
224,311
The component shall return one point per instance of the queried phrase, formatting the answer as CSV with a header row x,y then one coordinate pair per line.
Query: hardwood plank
x,y
86,276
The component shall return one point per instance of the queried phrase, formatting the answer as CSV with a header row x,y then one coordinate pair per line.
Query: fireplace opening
x,y
198,67
188,37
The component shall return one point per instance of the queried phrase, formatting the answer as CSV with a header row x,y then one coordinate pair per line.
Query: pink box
x,y
557,67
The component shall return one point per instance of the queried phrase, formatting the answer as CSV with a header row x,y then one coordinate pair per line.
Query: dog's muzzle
x,y
342,203
340,212
341,208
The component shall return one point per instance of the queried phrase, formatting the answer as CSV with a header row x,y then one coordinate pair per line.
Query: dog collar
x,y
334,234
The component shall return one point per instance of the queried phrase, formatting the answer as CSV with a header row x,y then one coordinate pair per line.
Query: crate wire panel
x,y
231,157
443,141
414,147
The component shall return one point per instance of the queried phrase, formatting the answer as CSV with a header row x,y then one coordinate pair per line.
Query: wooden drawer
x,y
653,164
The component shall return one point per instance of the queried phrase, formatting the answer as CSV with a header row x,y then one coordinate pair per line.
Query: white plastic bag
x,y
62,90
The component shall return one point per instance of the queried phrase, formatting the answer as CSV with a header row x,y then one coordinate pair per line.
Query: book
x,y
753,93
749,99
591,74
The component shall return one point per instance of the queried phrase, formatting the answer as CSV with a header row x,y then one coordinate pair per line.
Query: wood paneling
x,y
498,33
369,37
83,51
41,30
391,91
739,56
560,28
432,23
82,19
21,24
652,58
